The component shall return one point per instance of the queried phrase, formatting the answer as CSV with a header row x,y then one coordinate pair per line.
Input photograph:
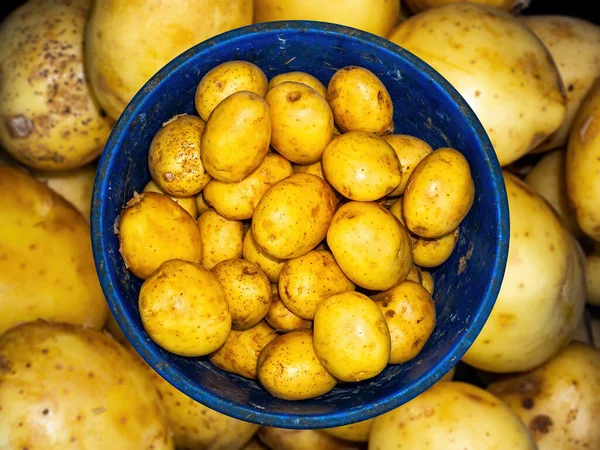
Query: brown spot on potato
x,y
540,424
5,364
390,313
528,403
294,96
19,126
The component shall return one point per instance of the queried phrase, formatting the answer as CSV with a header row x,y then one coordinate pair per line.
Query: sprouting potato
x,y
427,281
281,318
410,151
252,252
221,238
299,77
187,203
433,252
354,432
315,169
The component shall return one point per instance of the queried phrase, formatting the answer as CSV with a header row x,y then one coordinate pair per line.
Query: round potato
x,y
184,309
240,352
154,229
433,252
237,201
307,280
226,79
427,281
315,169
370,245
360,101
247,290
174,156
439,194
282,319
410,315
288,439
221,238
242,120
417,6
410,151
361,166
189,204
593,279
299,77
252,252
355,432
301,122
288,368
293,216
351,337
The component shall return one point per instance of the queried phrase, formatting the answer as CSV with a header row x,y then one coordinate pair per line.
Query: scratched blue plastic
x,y
425,105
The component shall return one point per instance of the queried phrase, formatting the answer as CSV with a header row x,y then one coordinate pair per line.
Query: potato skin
x,y
315,169
282,319
433,252
410,151
189,204
221,238
287,439
417,6
299,77
252,252
427,281
355,432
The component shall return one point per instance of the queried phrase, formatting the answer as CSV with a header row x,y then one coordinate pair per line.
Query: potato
x,y
361,166
247,290
174,156
184,309
121,35
46,265
410,315
583,164
512,85
439,194
288,368
154,229
288,439
299,77
189,204
414,274
237,201
226,79
509,5
282,319
436,419
370,245
64,386
593,279
252,252
427,281
559,400
307,280
351,337
301,122
410,151
360,101
396,210
240,121
542,295
201,204
573,44
315,169
240,352
50,119
355,432
433,252
375,16
293,216
254,444
221,238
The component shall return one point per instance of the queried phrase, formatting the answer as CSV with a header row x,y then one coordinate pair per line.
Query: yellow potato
x,y
307,280
282,319
226,79
64,386
410,315
410,151
292,217
433,252
509,5
122,34
427,281
237,201
247,290
288,439
288,368
360,101
542,296
240,352
154,229
46,265
593,279
370,245
439,194
187,203
558,401
315,169
252,252
50,119
414,274
355,432
301,122
184,309
299,77
451,416
221,238
361,166
254,444
201,204
351,337
511,83
174,156
396,210
241,121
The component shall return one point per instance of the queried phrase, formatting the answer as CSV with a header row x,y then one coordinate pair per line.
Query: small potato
x,y
201,203
154,229
315,169
351,337
355,432
252,252
360,101
226,79
184,309
237,201
433,252
187,203
370,245
292,217
439,194
221,238
427,281
241,121
288,368
396,210
174,157
414,274
410,151
299,77
410,314
361,166
239,354
247,290
282,319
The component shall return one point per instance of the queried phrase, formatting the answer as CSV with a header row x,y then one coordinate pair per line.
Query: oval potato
x,y
427,281
221,238
282,319
299,77
410,151
189,204
272,267
433,252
